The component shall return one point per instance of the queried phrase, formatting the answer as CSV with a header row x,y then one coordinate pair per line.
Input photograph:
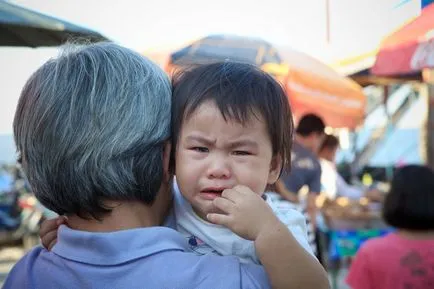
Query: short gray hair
x,y
91,125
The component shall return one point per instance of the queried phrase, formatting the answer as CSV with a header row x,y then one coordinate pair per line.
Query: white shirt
x,y
334,185
204,237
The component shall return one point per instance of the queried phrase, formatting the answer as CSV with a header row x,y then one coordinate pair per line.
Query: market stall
x,y
409,51
350,223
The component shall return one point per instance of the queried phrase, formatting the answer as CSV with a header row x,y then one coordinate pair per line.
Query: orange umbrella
x,y
410,49
312,86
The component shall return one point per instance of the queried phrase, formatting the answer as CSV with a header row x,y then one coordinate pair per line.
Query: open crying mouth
x,y
215,192
211,194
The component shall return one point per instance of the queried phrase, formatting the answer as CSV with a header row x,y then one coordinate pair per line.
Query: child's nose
x,y
219,169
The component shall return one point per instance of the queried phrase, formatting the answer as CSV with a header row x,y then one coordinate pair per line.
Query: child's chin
x,y
204,210
214,210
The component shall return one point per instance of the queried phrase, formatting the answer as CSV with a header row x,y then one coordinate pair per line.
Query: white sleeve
x,y
294,221
328,179
346,190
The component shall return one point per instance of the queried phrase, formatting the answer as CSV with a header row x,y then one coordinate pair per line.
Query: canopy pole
x,y
385,99
327,4
429,89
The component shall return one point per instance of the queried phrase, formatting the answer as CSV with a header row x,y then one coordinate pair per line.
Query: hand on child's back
x,y
244,212
48,231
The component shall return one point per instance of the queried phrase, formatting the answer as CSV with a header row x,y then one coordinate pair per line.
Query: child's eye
x,y
200,149
241,153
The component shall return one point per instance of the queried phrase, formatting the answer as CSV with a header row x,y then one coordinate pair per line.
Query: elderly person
x,y
91,128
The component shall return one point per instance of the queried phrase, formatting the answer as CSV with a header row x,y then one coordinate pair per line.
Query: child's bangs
x,y
236,103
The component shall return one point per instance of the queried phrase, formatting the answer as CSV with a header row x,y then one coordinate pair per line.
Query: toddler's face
x,y
213,154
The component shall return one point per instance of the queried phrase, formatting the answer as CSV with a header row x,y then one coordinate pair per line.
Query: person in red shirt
x,y
403,259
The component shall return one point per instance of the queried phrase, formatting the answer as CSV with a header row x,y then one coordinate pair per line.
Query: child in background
x,y
403,259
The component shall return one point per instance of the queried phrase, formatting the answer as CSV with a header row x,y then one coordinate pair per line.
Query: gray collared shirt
x,y
305,170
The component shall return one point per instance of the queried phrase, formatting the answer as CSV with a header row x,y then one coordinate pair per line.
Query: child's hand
x,y
48,231
244,212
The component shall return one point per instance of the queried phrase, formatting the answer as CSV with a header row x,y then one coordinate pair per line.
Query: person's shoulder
x,y
377,245
287,213
18,276
231,272
300,152
30,257
298,149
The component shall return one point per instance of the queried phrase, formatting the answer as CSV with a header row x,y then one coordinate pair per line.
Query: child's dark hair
x,y
409,204
310,123
329,142
240,91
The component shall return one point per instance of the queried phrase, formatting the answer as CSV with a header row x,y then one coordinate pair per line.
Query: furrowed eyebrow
x,y
244,143
200,139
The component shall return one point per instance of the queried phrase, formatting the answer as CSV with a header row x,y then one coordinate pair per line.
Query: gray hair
x,y
91,125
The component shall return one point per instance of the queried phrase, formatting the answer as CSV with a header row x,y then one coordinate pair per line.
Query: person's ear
x,y
166,160
275,169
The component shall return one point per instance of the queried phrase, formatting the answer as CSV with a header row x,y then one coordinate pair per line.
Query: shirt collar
x,y
118,247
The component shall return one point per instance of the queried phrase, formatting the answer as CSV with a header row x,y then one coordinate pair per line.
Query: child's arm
x,y
287,264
